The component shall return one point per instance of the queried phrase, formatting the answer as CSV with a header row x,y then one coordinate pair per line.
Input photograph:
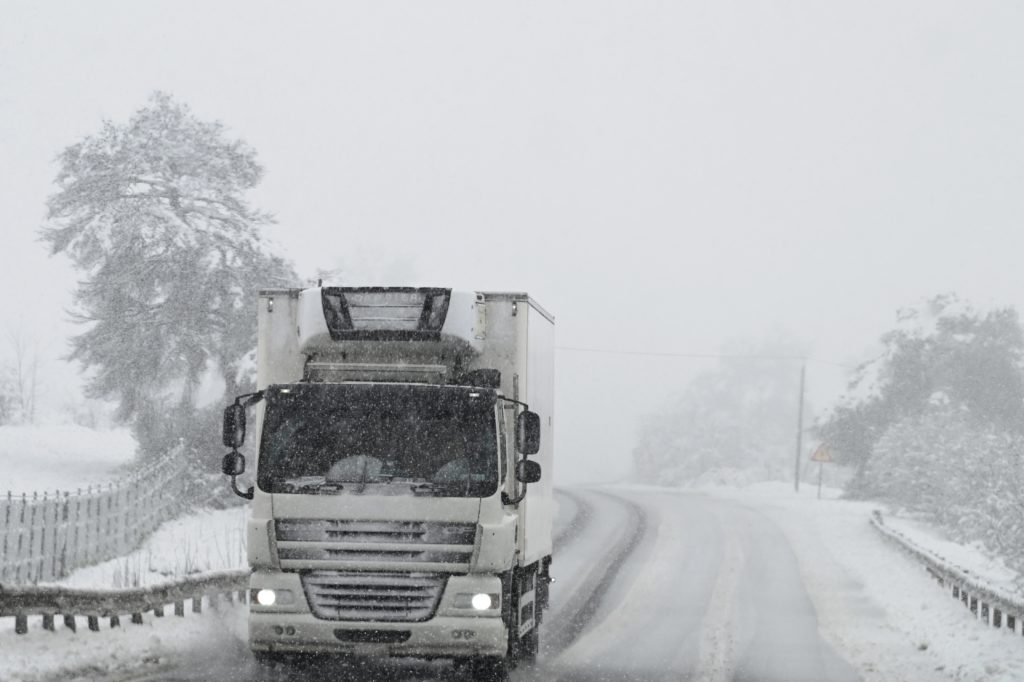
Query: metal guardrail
x,y
988,603
49,601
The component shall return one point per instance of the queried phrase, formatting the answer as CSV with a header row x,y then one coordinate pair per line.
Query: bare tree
x,y
23,374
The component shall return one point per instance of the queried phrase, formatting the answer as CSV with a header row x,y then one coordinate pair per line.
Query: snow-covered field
x,y
70,457
205,541
910,628
66,457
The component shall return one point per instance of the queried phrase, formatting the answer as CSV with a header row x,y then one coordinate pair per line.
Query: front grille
x,y
393,597
338,530
366,545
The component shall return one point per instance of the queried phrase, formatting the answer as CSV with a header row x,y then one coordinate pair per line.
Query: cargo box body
x,y
520,342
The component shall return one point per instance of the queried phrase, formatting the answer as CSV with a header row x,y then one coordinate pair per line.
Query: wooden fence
x,y
44,538
986,602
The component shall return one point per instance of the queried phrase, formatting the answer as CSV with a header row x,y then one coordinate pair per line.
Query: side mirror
x,y
234,426
528,433
233,464
527,471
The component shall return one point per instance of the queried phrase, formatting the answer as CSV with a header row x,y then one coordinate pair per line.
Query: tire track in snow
x,y
717,645
572,529
574,618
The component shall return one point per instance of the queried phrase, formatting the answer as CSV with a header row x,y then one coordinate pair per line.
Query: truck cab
x,y
402,498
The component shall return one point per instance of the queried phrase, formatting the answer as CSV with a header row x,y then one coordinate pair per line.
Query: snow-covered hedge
x,y
965,476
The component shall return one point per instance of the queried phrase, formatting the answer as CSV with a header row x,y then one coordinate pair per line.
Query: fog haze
x,y
663,177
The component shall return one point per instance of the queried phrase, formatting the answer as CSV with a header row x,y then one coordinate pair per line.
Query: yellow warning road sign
x,y
822,454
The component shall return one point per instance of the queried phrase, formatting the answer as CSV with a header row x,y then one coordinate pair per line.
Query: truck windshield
x,y
327,438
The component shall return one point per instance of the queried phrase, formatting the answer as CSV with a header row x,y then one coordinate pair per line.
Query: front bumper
x,y
440,637
451,633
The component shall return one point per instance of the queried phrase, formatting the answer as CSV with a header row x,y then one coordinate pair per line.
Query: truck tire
x,y
489,669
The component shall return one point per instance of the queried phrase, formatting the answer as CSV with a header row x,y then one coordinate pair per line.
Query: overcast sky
x,y
661,175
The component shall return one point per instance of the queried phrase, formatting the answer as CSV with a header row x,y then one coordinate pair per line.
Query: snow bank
x,y
132,650
67,457
971,558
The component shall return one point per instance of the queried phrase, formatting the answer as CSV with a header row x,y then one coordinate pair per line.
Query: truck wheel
x,y
489,669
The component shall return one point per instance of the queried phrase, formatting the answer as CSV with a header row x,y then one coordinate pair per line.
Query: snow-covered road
x,y
649,586
711,592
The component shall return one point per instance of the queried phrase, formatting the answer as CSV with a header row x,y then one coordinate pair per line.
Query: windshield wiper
x,y
442,487
436,487
317,489
425,487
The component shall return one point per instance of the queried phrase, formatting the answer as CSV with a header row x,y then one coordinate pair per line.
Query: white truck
x,y
399,507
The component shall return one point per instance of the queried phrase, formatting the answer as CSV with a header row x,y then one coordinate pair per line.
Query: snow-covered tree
x,y
943,354
737,420
154,213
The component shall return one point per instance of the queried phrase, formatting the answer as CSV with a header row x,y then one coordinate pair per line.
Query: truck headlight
x,y
480,601
266,597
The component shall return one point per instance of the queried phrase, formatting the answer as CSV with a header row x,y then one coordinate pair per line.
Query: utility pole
x,y
799,429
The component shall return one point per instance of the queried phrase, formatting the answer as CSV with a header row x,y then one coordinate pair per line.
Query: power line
x,y
701,356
